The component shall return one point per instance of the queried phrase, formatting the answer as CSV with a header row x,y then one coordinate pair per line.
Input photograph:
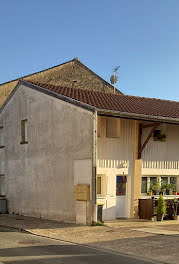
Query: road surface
x,y
22,248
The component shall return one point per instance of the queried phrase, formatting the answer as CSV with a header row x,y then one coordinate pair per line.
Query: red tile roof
x,y
119,102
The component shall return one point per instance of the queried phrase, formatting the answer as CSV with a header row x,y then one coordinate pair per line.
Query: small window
x,y
99,187
1,137
164,181
153,180
2,185
112,127
173,180
121,185
144,185
24,132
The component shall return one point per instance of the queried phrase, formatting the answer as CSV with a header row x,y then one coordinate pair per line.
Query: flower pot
x,y
176,217
170,191
174,193
159,217
150,193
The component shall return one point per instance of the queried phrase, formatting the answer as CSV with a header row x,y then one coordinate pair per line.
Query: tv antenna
x,y
113,78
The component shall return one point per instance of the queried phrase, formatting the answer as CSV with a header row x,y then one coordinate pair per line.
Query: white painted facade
x,y
40,174
116,157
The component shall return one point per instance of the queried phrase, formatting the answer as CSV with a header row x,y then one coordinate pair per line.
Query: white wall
x,y
115,157
40,175
162,155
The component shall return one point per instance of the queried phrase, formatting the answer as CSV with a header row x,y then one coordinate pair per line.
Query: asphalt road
x,y
22,248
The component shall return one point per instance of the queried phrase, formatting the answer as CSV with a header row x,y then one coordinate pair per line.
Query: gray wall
x,y
40,175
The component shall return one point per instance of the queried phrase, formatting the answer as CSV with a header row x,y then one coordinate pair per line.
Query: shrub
x,y
161,209
98,223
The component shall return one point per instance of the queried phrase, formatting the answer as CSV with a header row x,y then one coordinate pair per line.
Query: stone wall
x,y
70,74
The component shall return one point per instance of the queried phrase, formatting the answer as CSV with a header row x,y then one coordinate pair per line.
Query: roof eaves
x,y
138,116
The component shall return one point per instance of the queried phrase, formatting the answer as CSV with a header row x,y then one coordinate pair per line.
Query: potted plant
x,y
150,190
171,188
175,209
163,189
156,188
161,208
174,189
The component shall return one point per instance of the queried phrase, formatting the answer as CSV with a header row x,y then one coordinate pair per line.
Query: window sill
x,y
24,142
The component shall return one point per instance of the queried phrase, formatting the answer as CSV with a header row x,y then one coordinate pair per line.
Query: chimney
x,y
75,59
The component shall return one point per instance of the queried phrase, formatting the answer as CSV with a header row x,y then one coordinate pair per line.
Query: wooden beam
x,y
155,125
149,125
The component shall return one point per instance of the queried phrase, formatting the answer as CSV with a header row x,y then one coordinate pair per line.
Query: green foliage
x,y
98,223
161,209
172,186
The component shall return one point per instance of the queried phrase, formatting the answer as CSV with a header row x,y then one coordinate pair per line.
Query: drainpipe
x,y
94,195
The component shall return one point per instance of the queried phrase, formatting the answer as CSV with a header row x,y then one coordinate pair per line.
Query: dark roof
x,y
119,102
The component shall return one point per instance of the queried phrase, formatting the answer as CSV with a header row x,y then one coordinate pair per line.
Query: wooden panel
x,y
162,155
112,127
82,192
116,152
145,208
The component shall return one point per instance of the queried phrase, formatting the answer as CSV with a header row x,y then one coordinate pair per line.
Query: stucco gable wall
x,y
40,174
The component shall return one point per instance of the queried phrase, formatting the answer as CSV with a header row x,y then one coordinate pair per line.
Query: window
x,y
153,180
1,137
173,180
24,132
144,185
160,181
164,180
99,187
112,127
121,185
2,185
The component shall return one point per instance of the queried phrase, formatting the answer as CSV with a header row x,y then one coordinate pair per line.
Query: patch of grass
x,y
98,223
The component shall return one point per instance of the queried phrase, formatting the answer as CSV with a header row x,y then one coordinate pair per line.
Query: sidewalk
x,y
141,238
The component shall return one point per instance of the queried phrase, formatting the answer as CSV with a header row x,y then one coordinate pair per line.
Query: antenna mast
x,y
113,78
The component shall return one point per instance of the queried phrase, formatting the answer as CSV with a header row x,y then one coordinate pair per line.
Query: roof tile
x,y
118,102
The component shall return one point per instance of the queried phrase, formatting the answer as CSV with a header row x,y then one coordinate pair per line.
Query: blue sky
x,y
142,36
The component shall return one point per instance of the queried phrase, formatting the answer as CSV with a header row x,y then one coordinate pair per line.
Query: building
x,y
63,151
69,74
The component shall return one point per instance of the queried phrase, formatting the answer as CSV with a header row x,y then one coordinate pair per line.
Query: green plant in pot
x,y
175,203
156,188
150,190
163,188
172,188
161,208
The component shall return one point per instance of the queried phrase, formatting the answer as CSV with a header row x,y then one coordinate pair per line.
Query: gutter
x,y
134,116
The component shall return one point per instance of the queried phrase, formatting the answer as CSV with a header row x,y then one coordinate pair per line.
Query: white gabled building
x,y
65,151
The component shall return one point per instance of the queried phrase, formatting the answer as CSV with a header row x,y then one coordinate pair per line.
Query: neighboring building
x,y
65,150
71,74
